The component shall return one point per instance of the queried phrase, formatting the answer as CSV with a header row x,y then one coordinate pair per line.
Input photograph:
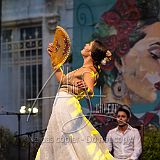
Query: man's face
x,y
122,116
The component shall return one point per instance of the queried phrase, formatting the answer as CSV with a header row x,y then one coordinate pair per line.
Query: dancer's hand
x,y
50,49
81,84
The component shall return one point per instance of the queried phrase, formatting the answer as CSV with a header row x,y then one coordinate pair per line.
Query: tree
x,y
151,145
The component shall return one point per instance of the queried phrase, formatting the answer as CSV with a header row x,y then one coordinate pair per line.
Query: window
x,y
22,51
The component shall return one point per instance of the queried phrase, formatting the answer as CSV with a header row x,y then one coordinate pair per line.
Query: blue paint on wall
x,y
86,15
141,108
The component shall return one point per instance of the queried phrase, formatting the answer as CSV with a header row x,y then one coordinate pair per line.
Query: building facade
x,y
27,28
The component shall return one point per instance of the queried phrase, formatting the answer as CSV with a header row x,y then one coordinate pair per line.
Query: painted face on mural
x,y
141,66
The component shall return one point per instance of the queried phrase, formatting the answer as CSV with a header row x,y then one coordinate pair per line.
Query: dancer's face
x,y
142,65
86,51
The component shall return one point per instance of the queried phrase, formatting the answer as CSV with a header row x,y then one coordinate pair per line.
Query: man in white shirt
x,y
124,141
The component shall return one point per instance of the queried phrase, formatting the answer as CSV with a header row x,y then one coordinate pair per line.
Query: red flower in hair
x,y
124,17
111,18
125,27
122,6
110,42
131,14
123,47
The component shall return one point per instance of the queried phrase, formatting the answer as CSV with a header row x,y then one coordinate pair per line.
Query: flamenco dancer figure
x,y
69,134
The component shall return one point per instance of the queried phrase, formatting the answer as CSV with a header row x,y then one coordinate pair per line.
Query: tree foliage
x,y
9,144
151,145
6,140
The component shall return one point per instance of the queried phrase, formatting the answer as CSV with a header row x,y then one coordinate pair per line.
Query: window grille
x,y
22,53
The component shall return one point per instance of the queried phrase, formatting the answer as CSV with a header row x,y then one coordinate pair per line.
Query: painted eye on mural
x,y
154,50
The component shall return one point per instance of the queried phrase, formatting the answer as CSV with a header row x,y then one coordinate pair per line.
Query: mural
x,y
131,31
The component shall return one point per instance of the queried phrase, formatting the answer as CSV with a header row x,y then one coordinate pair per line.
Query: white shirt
x,y
125,145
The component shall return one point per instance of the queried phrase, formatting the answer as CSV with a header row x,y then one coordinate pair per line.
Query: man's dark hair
x,y
125,109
